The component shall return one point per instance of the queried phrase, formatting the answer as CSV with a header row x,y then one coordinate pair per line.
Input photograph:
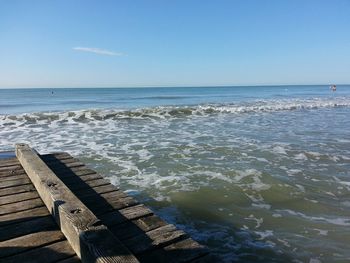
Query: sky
x,y
104,43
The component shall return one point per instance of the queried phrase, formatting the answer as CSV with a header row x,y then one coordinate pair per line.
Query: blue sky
x,y
173,43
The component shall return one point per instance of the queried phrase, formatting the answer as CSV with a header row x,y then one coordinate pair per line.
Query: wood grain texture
x,y
25,215
20,206
28,242
18,197
50,253
91,240
182,251
40,223
17,189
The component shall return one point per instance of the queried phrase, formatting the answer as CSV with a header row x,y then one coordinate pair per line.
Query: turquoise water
x,y
258,174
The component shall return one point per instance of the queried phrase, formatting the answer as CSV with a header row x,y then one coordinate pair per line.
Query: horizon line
x,y
175,86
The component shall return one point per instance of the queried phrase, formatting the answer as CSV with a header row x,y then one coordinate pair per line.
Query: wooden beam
x,y
90,240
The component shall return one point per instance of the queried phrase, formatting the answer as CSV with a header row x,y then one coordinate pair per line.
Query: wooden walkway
x,y
29,233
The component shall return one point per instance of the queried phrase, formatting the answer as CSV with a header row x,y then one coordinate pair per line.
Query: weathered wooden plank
x,y
136,211
10,168
14,177
61,167
137,227
82,171
63,161
72,164
21,216
91,240
95,191
161,236
17,198
16,182
30,241
75,179
104,207
67,173
17,189
90,184
20,206
110,196
10,173
50,253
55,156
181,251
9,162
37,224
122,215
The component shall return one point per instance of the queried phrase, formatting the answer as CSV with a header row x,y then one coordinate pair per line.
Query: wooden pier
x,y
55,209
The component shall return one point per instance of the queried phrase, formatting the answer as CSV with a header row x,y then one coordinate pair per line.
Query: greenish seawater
x,y
258,175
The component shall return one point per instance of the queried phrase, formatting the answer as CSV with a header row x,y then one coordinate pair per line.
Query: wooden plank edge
x,y
91,241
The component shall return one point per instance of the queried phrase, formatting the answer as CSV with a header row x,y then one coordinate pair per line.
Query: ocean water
x,y
258,174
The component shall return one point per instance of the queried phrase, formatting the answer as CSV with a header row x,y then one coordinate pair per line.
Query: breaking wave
x,y
260,106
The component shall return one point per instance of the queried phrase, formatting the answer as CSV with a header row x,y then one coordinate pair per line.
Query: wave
x,y
261,106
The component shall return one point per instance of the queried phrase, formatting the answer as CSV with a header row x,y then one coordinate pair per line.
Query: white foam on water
x,y
263,206
258,221
279,150
346,158
284,242
262,160
346,203
293,172
264,234
335,221
276,215
300,156
143,152
321,232
300,187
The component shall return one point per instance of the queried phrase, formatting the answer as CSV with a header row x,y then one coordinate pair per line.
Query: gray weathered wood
x,y
17,189
89,184
17,198
96,190
50,253
41,223
27,242
55,156
103,207
75,179
91,240
10,173
20,206
136,227
9,162
181,251
161,236
15,182
11,167
25,215
14,177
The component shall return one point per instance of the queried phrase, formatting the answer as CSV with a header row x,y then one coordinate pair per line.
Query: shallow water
x,y
258,174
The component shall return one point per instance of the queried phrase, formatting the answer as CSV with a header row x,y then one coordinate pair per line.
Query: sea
x,y
258,174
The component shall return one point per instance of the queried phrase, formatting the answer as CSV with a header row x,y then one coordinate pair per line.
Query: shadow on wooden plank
x,y
168,245
55,252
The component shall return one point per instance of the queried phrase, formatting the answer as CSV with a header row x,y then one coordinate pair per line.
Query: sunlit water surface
x,y
258,174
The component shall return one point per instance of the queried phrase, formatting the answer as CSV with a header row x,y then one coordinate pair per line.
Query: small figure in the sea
x,y
51,92
333,88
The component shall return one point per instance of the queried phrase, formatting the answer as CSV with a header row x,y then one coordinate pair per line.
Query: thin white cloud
x,y
98,51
